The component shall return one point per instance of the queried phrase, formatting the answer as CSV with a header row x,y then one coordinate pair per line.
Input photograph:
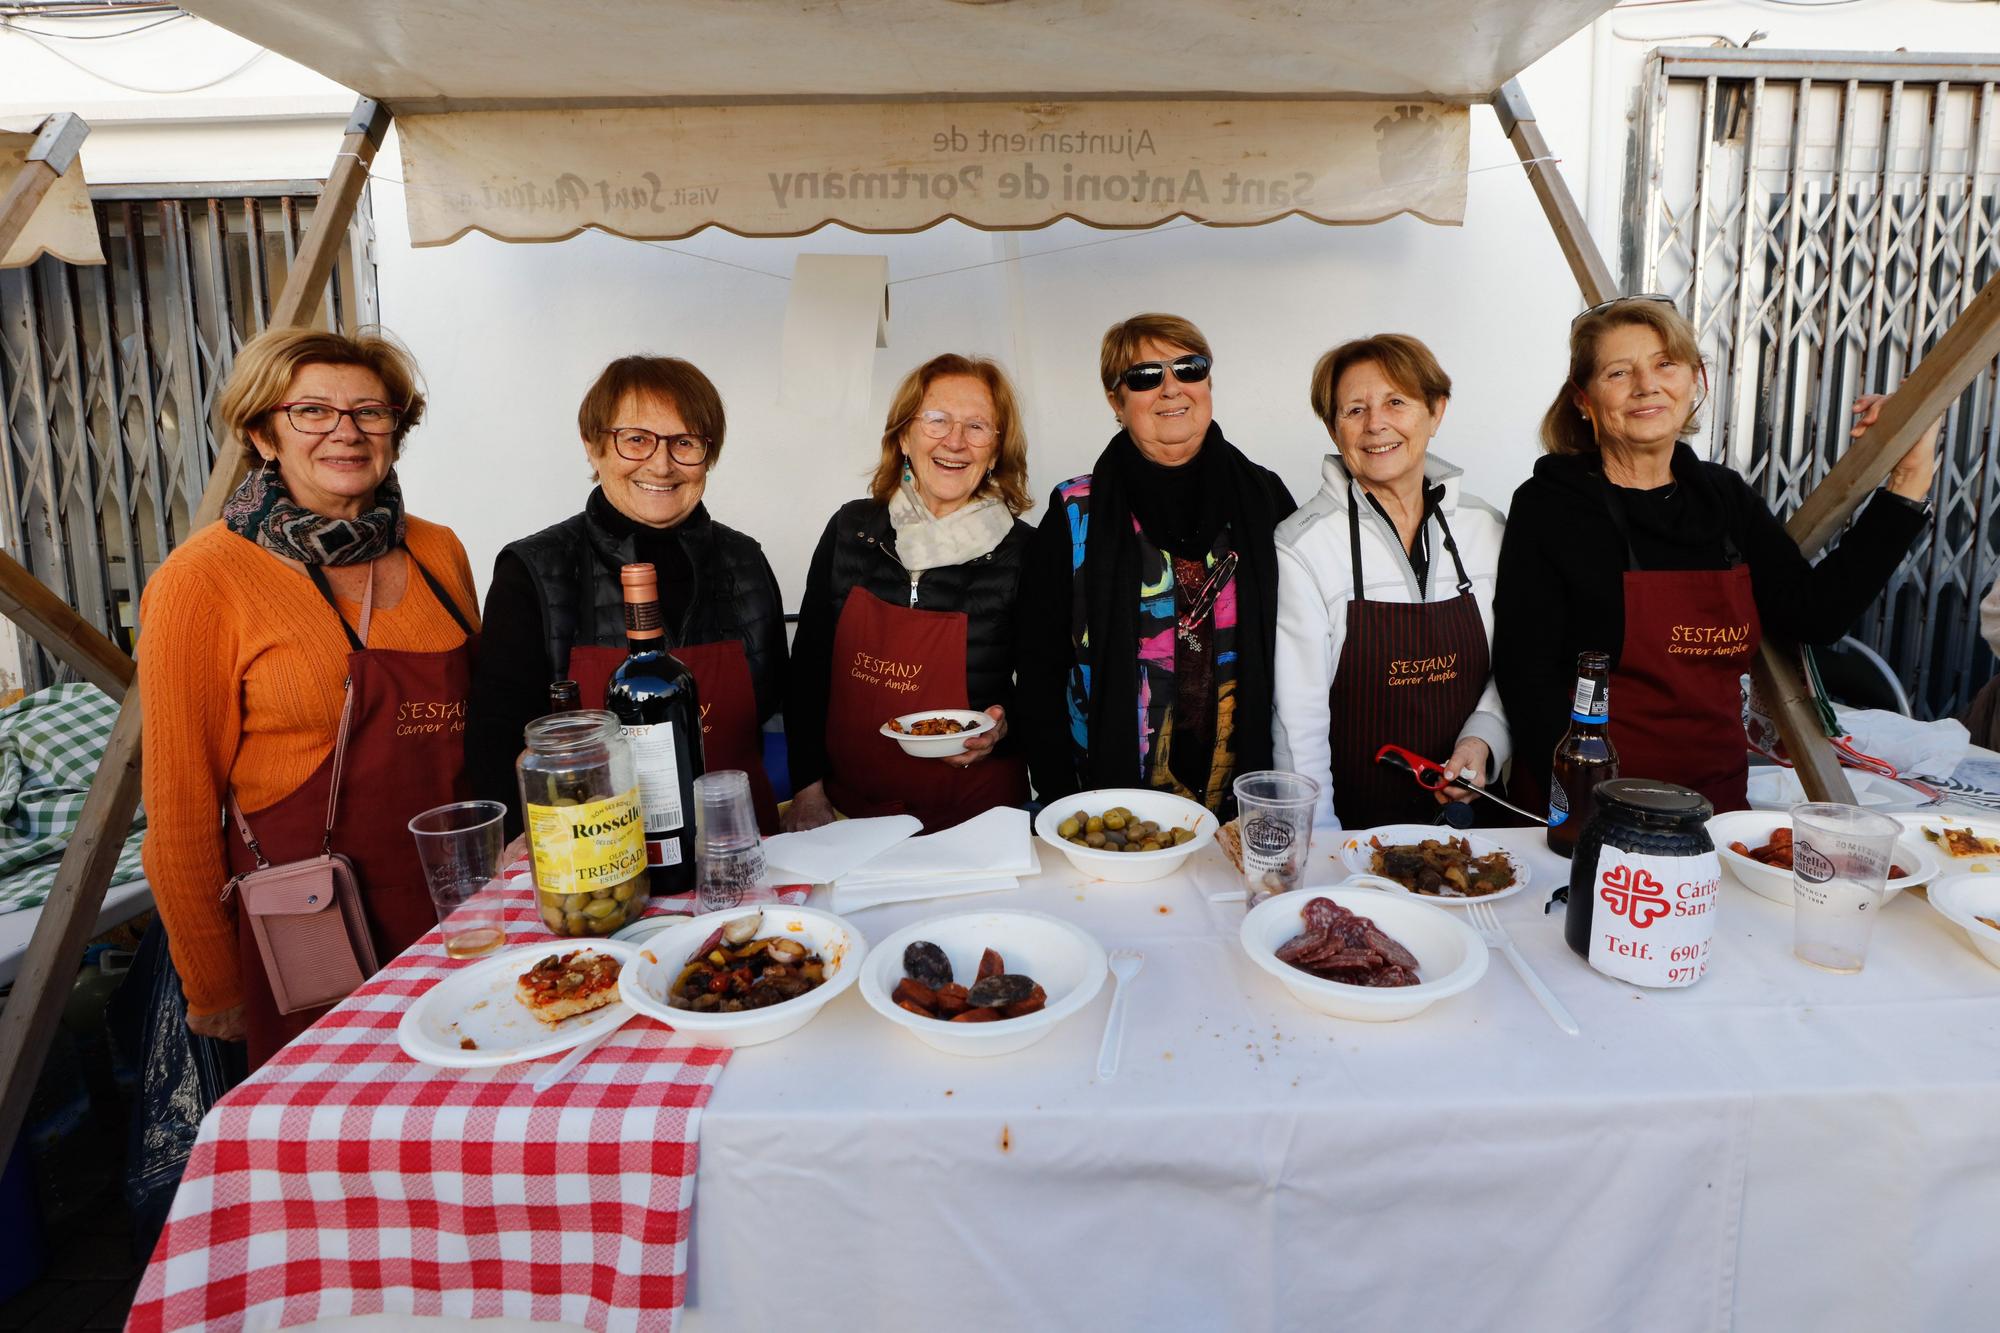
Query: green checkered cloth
x,y
50,745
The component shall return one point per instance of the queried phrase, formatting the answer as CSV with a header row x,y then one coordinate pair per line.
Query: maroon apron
x,y
1410,673
1676,701
731,735
405,754
888,661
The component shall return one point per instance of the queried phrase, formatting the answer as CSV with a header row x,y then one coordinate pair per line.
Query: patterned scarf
x,y
263,511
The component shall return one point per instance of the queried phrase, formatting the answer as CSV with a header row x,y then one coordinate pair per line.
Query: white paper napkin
x,y
990,851
824,854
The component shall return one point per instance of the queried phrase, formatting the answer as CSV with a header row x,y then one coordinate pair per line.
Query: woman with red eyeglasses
x,y
1151,605
652,430
910,605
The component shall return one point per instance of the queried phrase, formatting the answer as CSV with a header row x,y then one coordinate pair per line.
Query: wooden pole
x,y
77,643
28,1023
52,153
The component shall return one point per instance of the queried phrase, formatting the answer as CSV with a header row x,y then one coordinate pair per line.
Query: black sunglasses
x,y
1190,369
1660,297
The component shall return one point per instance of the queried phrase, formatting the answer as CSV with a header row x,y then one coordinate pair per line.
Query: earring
x,y
907,474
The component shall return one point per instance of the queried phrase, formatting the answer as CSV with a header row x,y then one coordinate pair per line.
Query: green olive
x,y
1069,828
1094,838
1182,835
1114,819
575,923
605,925
600,908
1095,824
602,893
624,892
575,901
552,917
1149,828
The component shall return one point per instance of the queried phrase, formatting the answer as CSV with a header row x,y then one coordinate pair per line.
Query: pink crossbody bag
x,y
306,915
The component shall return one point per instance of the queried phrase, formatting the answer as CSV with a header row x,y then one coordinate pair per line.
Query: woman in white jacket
x,y
1385,598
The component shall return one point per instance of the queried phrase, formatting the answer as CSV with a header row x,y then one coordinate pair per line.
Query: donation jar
x,y
1642,884
586,837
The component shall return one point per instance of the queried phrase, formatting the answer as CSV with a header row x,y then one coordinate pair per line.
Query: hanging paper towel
x,y
838,314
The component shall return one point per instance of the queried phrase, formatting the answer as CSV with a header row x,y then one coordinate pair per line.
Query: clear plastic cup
x,y
728,849
1274,812
459,847
1840,867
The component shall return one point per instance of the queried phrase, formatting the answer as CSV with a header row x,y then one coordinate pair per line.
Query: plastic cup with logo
x,y
728,850
459,847
1274,813
1840,867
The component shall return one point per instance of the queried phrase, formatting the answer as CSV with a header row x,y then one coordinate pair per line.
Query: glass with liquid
x,y
459,847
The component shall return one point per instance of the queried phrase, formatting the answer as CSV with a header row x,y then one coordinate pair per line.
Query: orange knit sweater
x,y
241,665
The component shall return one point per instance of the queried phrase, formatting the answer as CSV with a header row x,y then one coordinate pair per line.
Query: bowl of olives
x,y
1127,834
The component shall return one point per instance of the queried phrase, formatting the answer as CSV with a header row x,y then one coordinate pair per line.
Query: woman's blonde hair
x,y
1564,428
1009,477
1405,361
266,364
1123,340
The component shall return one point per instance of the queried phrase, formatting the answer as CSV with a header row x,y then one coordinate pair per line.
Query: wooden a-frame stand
x,y
27,1025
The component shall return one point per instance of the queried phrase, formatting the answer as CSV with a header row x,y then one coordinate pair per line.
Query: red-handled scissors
x,y
1436,777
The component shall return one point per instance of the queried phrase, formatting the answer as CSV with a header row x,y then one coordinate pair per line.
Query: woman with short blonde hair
x,y
910,606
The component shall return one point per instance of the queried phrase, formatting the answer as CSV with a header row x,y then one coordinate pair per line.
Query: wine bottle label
x,y
579,848
653,754
1558,802
1652,917
1592,701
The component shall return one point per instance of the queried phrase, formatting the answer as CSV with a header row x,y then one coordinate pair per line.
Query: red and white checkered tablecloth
x,y
346,1178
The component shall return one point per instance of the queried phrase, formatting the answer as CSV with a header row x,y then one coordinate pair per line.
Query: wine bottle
x,y
564,697
655,700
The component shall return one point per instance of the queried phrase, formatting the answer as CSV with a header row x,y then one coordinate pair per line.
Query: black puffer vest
x,y
864,555
575,566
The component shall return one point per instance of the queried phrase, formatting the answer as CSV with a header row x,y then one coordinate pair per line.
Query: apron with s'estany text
x,y
405,753
731,736
1410,673
888,661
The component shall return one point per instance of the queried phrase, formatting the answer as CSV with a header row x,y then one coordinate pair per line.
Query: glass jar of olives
x,y
586,837
1119,830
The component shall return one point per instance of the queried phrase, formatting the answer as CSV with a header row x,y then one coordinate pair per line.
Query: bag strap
x,y
339,738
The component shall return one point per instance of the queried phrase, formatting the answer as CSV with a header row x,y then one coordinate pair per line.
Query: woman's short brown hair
x,y
1123,340
1009,478
1405,362
266,364
667,379
1564,429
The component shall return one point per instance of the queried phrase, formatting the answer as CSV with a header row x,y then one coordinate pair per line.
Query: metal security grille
x,y
1823,218
109,377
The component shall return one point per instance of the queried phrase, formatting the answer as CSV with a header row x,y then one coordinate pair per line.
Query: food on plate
x,y
1230,838
1443,868
566,984
1338,945
995,994
733,970
1119,830
1777,853
1988,922
1963,842
467,1044
930,726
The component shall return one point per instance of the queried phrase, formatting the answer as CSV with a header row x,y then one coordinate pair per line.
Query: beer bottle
x,y
1584,757
564,697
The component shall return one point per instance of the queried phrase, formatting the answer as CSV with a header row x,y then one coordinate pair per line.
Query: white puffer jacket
x,y
1315,584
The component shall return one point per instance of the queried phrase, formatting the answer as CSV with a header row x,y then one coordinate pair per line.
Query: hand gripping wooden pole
x,y
28,1023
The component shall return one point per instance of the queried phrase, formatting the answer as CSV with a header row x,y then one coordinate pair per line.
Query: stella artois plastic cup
x,y
1840,866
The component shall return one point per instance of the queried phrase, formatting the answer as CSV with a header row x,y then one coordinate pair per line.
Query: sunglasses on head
x,y
1189,369
1603,306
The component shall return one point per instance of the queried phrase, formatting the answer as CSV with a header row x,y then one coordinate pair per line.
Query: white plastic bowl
x,y
1753,828
1063,959
938,747
1164,808
1960,899
1451,957
661,956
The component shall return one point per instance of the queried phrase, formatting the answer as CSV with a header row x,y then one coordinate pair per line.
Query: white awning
x,y
63,224
653,118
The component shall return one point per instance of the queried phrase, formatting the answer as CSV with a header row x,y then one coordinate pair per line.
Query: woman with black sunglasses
x,y
1151,602
652,428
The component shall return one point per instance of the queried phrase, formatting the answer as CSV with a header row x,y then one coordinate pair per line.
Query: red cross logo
x,y
1634,895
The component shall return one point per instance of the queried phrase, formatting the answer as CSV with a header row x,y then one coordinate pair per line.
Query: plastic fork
x,y
1487,922
564,1067
1125,964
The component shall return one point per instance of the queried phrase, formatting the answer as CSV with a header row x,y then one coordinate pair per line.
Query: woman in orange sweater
x,y
251,634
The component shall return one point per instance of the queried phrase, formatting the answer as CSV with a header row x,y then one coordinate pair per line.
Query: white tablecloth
x,y
1775,1148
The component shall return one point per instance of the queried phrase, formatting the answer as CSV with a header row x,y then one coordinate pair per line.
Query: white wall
x,y
509,336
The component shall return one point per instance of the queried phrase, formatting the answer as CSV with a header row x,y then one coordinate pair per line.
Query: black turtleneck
x,y
659,547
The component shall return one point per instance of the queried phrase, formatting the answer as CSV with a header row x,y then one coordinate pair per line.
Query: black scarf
x,y
1233,492
262,509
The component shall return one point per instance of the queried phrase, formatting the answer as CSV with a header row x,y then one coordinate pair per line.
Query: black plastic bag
x,y
180,1076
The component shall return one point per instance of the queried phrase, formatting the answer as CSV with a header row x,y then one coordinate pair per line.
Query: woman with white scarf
x,y
910,606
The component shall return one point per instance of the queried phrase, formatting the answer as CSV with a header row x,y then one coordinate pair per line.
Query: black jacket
x,y
1561,588
858,550
559,588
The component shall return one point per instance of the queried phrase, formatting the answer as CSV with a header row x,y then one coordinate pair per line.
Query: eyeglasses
x,y
1603,306
324,418
1190,369
636,445
938,425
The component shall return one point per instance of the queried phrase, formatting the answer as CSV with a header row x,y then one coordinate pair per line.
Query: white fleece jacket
x,y
1315,584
